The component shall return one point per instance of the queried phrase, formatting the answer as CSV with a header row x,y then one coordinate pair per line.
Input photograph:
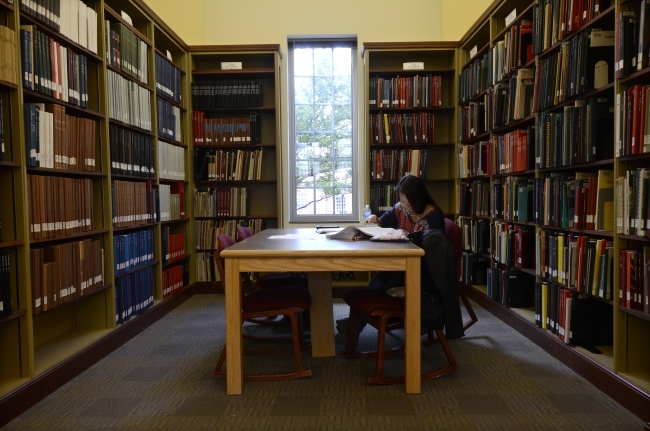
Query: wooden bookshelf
x,y
384,65
625,359
263,208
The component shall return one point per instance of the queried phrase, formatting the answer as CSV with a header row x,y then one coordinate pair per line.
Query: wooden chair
x,y
386,313
273,279
284,301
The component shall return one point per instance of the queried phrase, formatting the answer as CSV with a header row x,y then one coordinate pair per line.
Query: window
x,y
322,130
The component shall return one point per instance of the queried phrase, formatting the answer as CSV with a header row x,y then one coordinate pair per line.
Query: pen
x,y
326,227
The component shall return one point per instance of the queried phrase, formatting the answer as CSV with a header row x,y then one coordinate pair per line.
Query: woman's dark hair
x,y
416,192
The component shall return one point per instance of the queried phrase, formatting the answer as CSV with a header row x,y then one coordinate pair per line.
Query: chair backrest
x,y
454,234
223,242
243,232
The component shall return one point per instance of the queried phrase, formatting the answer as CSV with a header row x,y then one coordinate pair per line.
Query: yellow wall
x,y
200,22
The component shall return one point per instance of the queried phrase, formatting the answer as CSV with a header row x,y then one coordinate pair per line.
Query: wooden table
x,y
274,250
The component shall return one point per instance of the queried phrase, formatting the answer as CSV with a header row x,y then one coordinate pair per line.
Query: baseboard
x,y
627,395
21,399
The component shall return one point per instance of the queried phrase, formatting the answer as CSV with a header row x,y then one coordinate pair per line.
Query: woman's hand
x,y
371,220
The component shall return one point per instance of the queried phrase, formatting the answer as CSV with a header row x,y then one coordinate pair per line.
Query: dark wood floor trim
x,y
630,397
20,400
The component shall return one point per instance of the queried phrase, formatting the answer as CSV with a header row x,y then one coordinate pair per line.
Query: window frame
x,y
330,42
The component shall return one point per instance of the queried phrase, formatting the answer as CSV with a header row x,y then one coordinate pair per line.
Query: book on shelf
x,y
605,201
626,28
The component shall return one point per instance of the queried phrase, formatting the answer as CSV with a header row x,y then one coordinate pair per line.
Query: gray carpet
x,y
162,380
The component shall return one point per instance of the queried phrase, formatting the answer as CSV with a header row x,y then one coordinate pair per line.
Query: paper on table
x,y
369,232
306,236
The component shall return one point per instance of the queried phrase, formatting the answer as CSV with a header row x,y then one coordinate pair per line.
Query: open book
x,y
373,233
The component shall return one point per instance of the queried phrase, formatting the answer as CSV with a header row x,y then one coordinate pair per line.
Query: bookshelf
x,y
236,144
63,218
410,93
573,163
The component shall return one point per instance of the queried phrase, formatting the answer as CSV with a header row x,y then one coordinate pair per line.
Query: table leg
x,y
412,326
234,345
321,314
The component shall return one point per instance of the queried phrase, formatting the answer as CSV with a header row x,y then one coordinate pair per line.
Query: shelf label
x,y
473,51
126,18
414,65
511,17
231,65
169,56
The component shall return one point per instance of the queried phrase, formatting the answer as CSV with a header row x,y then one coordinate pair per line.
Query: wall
x,y
262,22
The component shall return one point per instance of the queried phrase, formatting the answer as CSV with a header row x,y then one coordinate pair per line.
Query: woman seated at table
x,y
416,211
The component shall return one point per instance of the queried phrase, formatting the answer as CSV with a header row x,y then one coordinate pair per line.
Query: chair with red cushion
x,y
272,279
283,301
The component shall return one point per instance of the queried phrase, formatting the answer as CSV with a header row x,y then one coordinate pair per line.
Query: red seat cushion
x,y
279,279
368,301
276,299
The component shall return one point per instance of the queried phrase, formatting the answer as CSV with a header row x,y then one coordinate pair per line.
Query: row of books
x,y
634,270
475,78
476,234
575,318
507,102
474,198
510,287
172,201
411,128
580,133
584,200
174,278
206,267
554,20
583,63
474,160
134,203
633,202
578,262
72,18
512,199
128,102
513,245
471,120
6,296
171,161
168,79
473,269
382,197
172,245
169,120
133,294
206,231
512,152
50,212
132,153
63,272
126,51
633,32
419,91
7,62
54,139
235,165
132,250
226,131
634,120
394,164
514,51
214,202
226,94
53,69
